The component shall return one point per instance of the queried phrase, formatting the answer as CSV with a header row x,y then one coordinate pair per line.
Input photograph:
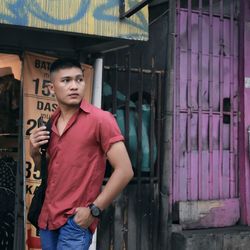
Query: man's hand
x,y
38,137
83,217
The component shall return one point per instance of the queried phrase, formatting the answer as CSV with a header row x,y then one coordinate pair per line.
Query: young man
x,y
82,138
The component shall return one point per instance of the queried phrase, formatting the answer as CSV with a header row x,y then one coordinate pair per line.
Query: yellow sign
x,y
92,17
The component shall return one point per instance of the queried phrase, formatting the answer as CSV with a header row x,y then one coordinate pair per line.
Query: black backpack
x,y
39,194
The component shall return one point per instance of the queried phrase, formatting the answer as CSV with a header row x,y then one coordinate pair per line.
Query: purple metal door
x,y
244,89
205,164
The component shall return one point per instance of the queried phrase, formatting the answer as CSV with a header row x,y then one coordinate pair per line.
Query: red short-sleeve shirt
x,y
77,163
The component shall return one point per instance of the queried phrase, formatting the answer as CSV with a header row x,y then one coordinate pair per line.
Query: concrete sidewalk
x,y
231,238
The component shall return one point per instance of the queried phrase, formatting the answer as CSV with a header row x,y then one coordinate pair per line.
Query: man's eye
x,y
80,80
65,80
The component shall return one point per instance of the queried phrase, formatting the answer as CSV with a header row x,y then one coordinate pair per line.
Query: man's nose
x,y
74,84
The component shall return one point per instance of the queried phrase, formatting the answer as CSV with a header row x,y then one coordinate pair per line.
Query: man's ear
x,y
51,88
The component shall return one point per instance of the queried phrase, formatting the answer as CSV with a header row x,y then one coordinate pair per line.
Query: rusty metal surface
x,y
131,222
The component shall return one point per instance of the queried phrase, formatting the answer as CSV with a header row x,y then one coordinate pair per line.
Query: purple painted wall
x,y
247,42
244,66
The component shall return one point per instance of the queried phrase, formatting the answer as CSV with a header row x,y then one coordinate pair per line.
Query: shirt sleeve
x,y
109,131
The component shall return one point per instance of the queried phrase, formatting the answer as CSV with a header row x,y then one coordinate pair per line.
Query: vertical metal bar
x,y
237,108
176,111
114,109
127,117
139,158
114,85
199,172
151,151
97,83
232,172
128,73
20,201
221,94
121,8
158,124
189,99
211,99
243,165
108,238
169,134
248,144
158,131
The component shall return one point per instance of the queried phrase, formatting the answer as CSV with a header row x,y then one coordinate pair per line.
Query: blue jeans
x,y
69,236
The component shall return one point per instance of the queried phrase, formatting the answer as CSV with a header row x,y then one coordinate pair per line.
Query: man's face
x,y
68,86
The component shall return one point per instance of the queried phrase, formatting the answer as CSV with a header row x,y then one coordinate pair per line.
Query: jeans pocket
x,y
73,236
74,224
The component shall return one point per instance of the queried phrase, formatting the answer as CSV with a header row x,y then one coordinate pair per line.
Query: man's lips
x,y
73,95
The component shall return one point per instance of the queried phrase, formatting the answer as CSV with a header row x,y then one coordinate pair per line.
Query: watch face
x,y
95,211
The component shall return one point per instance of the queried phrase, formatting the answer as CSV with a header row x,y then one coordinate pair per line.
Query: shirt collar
x,y
85,106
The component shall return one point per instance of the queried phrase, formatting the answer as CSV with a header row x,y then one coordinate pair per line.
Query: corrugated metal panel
x,y
206,111
95,17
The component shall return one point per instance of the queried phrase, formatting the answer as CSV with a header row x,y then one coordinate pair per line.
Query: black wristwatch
x,y
95,211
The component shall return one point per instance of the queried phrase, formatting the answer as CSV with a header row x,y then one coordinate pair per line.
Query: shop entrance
x,y
10,148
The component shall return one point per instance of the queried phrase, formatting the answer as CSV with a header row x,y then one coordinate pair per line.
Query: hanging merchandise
x,y
133,125
145,130
9,101
8,167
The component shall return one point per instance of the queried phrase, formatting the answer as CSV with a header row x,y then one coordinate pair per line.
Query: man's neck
x,y
68,112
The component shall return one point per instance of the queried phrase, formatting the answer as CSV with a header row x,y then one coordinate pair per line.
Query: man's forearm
x,y
122,174
116,183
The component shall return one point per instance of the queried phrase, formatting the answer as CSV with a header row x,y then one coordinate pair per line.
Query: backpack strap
x,y
44,170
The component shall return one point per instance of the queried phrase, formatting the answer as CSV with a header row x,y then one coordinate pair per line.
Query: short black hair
x,y
64,63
